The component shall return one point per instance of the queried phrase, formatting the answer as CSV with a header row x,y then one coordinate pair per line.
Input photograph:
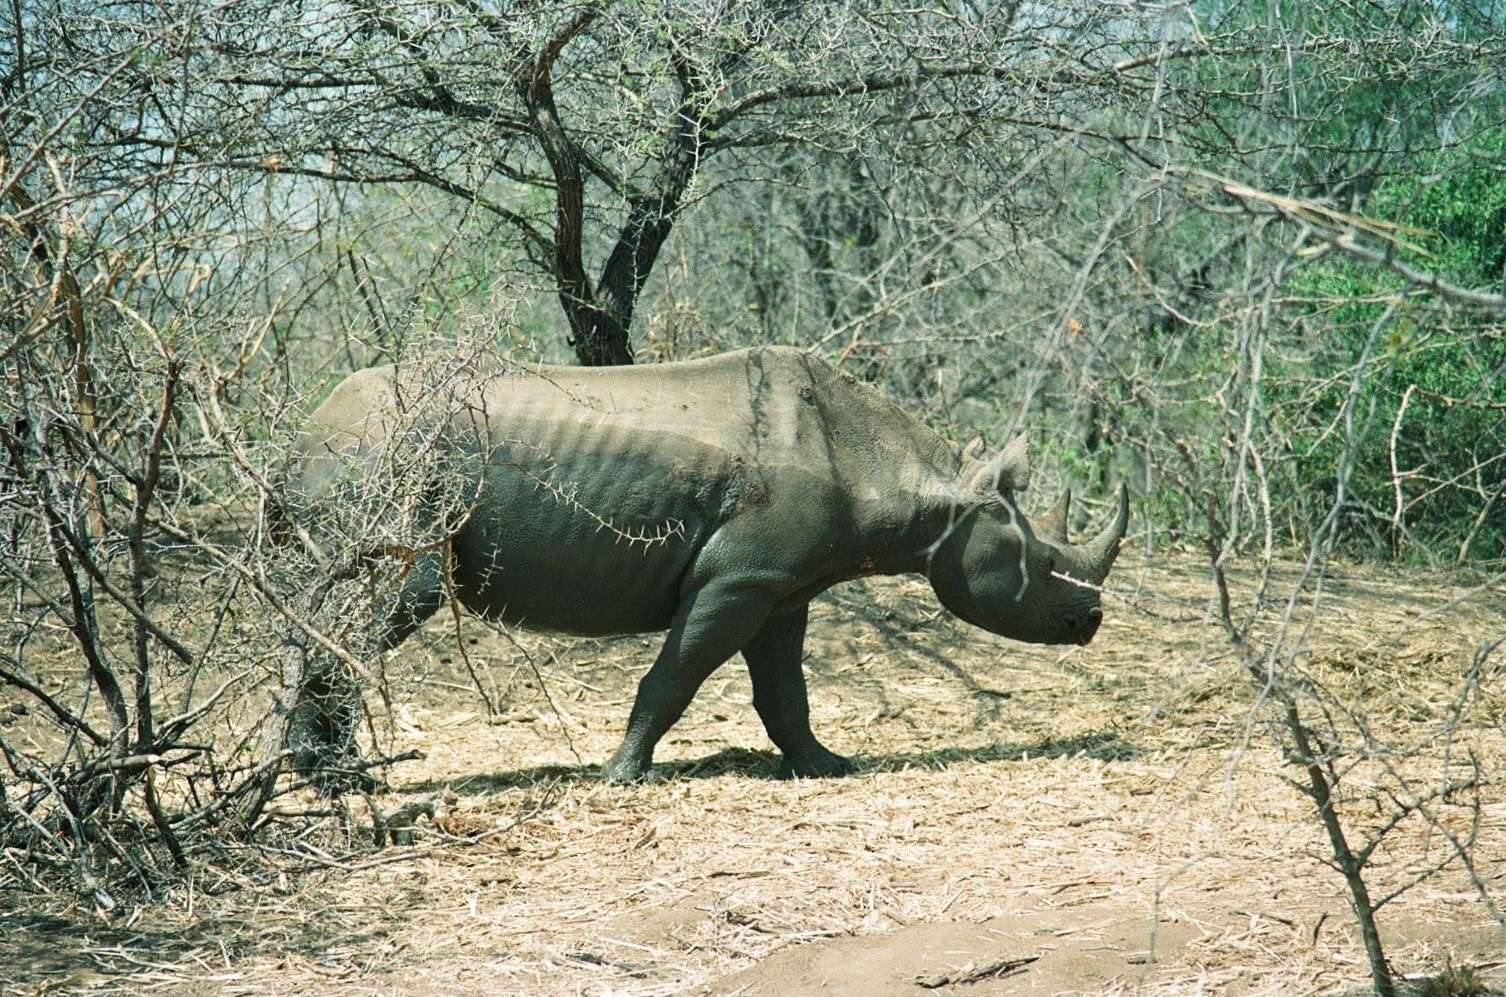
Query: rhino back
x,y
770,407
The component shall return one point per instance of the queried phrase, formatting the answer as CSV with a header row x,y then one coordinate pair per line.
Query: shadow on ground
x,y
66,954
1100,745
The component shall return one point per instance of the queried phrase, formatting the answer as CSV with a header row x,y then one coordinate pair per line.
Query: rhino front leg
x,y
779,695
709,629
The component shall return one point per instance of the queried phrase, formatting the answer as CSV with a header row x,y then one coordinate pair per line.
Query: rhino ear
x,y
1007,471
974,450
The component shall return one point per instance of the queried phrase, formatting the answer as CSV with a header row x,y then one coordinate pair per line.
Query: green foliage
x,y
1449,368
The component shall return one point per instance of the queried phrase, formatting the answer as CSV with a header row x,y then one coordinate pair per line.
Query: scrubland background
x,y
1248,257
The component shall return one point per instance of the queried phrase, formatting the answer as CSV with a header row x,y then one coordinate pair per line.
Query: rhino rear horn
x,y
1053,524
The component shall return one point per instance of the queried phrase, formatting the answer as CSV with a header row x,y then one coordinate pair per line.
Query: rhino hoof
x,y
622,773
826,764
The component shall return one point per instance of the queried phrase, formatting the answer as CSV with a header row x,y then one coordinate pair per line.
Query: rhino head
x,y
1012,575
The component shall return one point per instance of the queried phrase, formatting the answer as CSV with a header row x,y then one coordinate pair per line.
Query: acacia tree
x,y
585,130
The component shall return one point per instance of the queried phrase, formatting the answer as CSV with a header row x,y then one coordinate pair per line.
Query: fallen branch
x,y
972,974
397,825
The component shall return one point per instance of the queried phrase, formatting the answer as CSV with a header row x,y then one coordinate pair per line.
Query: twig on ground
x,y
972,973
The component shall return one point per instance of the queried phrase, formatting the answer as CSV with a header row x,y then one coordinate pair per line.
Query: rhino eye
x,y
1050,563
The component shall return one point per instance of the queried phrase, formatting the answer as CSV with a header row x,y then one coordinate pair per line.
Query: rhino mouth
x,y
1084,627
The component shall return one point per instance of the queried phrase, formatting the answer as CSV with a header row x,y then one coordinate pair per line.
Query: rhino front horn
x,y
1101,551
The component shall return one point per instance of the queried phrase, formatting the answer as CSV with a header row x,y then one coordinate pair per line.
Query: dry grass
x,y
1116,810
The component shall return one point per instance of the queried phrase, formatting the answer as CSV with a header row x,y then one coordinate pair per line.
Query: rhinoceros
x,y
713,499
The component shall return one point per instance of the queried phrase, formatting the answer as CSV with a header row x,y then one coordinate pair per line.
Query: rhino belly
x,y
590,562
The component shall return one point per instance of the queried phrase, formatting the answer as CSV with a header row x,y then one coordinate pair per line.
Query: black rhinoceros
x,y
712,499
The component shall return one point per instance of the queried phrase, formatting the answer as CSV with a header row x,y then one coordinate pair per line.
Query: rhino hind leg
x,y
418,598
321,727
779,695
323,722
712,625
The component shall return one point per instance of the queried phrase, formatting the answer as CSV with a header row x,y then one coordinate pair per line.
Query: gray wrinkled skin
x,y
713,499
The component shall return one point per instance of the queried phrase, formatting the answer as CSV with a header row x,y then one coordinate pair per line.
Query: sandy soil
x,y
1110,819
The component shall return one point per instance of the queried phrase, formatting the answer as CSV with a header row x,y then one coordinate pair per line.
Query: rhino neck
x,y
898,477
904,523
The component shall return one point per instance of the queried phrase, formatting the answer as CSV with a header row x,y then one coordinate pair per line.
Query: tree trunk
x,y
1320,789
600,338
601,316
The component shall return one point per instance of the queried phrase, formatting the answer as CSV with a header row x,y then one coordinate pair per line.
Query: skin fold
x,y
711,499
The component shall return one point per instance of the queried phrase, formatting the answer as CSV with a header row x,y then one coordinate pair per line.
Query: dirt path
x,y
1106,819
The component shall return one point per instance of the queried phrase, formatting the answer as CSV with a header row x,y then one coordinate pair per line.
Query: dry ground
x,y
1110,819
